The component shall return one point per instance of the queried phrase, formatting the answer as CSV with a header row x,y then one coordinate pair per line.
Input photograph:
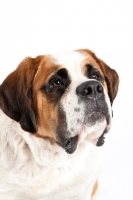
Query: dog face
x,y
63,97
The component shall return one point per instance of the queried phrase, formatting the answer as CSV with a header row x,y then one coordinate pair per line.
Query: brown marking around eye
x,y
90,59
111,82
47,112
94,61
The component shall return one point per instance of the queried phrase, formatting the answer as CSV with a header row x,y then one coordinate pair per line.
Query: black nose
x,y
90,89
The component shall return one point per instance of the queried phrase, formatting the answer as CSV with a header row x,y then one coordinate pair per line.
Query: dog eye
x,y
57,83
95,76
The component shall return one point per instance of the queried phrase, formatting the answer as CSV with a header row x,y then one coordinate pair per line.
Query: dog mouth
x,y
72,142
92,120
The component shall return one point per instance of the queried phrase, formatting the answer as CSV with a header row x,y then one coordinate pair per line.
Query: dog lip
x,y
71,144
102,113
98,110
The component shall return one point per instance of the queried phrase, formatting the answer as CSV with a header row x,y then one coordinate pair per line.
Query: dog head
x,y
63,97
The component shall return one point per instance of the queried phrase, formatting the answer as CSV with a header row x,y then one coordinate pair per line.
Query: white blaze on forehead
x,y
70,60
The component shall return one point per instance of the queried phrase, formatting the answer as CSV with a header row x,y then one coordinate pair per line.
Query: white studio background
x,y
34,27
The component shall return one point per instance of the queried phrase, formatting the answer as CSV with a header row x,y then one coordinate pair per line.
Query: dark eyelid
x,y
55,78
96,72
91,70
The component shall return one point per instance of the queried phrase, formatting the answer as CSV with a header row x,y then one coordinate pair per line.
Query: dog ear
x,y
112,80
15,97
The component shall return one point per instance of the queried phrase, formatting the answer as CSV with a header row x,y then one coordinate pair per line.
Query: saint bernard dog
x,y
54,112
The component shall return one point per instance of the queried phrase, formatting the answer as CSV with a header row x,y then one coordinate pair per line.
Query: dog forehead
x,y
70,60
73,61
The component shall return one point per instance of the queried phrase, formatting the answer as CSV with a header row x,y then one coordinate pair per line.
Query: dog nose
x,y
90,89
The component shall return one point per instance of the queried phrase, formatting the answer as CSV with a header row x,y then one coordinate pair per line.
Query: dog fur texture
x,y
55,110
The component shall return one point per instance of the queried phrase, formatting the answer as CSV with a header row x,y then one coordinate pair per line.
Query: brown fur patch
x,y
95,188
14,94
47,112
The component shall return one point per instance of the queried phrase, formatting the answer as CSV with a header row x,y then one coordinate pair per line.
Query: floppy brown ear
x,y
15,100
112,80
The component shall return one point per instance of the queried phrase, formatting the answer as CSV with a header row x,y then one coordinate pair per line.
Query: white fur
x,y
31,168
